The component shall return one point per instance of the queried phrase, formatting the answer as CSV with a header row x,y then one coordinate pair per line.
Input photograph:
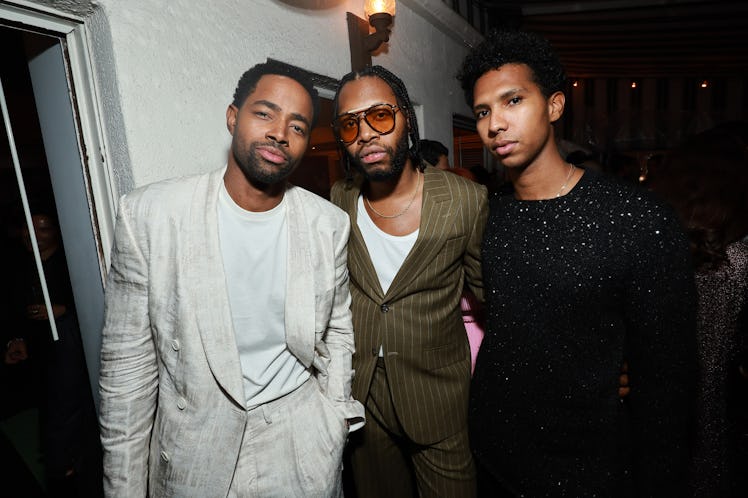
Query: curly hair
x,y
248,82
502,47
403,101
705,180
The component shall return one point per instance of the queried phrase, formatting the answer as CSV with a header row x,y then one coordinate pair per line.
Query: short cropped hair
x,y
513,47
431,150
248,82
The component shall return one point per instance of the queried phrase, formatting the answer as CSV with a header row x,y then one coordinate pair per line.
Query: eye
x,y
481,114
348,123
261,114
515,100
381,114
299,129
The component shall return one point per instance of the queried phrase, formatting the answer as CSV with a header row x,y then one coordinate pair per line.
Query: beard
x,y
257,170
398,158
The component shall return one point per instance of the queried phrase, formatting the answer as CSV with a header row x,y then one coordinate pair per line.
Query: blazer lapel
x,y
300,294
359,261
209,290
435,212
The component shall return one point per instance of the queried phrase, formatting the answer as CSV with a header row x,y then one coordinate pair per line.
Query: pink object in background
x,y
471,316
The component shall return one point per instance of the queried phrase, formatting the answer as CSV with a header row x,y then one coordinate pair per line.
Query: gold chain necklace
x,y
390,216
568,177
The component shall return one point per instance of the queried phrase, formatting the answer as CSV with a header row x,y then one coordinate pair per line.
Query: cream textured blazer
x,y
172,402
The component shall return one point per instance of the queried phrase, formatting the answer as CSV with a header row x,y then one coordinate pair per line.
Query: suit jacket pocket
x,y
455,243
446,355
453,249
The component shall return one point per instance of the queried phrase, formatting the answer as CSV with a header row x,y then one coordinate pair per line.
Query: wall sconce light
x,y
633,84
362,43
704,84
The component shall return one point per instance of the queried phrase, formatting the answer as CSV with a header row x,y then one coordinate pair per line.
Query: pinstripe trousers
x,y
386,463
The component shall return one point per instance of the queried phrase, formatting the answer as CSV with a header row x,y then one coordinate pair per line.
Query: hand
x,y
623,381
16,352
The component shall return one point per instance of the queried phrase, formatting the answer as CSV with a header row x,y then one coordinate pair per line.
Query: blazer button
x,y
385,308
164,456
175,345
181,403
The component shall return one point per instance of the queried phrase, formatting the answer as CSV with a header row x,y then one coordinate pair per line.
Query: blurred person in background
x,y
706,180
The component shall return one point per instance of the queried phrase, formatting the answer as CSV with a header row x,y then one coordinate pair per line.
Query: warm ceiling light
x,y
379,15
633,84
704,84
575,84
372,7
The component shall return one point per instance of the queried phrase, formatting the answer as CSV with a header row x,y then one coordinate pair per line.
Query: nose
x,y
497,123
278,133
366,132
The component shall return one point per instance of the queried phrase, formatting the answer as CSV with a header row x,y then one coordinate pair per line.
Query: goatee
x,y
399,157
255,168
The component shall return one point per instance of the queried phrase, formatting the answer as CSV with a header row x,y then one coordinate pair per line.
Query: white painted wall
x,y
427,59
166,71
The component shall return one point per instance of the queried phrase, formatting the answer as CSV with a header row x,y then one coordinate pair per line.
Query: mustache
x,y
272,145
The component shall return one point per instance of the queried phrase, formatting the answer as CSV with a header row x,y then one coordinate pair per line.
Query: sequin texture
x,y
721,453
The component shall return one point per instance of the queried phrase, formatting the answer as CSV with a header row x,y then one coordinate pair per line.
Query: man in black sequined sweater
x,y
581,274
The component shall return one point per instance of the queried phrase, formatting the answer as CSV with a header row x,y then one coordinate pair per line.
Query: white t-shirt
x,y
254,247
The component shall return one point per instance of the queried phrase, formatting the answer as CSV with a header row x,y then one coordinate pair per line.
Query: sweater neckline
x,y
571,194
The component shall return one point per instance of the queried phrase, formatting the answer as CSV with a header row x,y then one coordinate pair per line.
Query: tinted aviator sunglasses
x,y
379,117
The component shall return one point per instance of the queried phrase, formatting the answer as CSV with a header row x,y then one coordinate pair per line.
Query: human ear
x,y
556,103
231,112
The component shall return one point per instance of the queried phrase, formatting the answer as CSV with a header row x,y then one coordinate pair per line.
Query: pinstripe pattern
x,y
427,357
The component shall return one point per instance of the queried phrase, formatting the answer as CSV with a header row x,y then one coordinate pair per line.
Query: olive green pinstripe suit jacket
x,y
418,320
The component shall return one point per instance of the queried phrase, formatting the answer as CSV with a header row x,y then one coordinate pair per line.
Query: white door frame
x,y
96,161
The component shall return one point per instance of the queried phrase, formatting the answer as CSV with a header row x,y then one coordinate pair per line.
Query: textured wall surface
x,y
166,71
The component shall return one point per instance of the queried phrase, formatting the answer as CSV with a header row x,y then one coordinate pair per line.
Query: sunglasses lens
x,y
381,118
347,128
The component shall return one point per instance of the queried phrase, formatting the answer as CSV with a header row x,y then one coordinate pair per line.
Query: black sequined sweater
x,y
574,286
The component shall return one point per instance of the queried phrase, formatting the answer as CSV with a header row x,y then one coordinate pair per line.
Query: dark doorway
x,y
48,428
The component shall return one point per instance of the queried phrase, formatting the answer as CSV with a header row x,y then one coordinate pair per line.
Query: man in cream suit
x,y
415,240
227,343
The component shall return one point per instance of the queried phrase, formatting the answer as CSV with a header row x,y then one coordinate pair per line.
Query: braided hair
x,y
403,102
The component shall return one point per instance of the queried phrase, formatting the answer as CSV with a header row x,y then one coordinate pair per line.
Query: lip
x,y
503,147
372,154
272,154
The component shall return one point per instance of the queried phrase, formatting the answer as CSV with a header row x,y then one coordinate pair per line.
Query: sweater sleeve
x,y
128,383
660,313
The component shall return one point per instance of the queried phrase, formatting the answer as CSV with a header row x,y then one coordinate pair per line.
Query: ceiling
x,y
636,38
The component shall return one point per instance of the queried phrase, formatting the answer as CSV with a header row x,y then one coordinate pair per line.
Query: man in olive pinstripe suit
x,y
415,241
